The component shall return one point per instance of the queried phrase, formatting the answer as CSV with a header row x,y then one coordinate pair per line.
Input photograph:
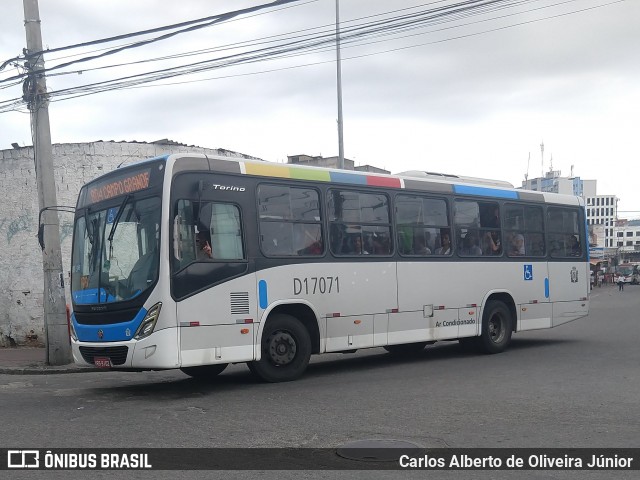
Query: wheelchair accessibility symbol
x,y
528,272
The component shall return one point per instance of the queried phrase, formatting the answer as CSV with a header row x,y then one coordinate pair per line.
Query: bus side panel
x,y
217,324
410,327
380,329
427,291
469,324
534,306
568,281
535,316
206,345
334,289
347,333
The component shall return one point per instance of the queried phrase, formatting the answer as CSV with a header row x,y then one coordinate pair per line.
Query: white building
x,y
602,210
627,236
21,282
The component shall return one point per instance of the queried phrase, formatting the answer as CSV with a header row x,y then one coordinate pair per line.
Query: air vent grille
x,y
239,303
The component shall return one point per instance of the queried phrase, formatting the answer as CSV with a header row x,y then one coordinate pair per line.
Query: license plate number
x,y
102,362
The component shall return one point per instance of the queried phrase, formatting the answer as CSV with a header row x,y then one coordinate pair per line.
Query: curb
x,y
45,370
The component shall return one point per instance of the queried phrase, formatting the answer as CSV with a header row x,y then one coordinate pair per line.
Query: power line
x,y
286,50
327,33
326,38
190,26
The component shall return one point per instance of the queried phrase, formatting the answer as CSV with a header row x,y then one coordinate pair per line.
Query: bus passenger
x,y
203,246
357,246
420,247
445,242
469,245
493,246
574,249
517,245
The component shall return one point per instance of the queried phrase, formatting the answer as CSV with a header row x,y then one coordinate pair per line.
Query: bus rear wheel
x,y
204,371
405,349
497,327
286,350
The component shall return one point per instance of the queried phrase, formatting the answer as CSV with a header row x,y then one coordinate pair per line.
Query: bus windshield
x,y
625,270
115,251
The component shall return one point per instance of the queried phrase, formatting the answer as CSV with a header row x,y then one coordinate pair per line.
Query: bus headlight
x,y
149,323
72,331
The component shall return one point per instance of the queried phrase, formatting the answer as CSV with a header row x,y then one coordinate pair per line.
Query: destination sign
x,y
122,185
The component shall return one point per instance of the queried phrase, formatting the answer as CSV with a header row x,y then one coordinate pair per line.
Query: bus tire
x,y
405,349
204,371
286,350
497,327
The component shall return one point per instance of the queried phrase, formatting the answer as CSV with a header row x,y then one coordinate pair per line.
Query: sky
x,y
470,92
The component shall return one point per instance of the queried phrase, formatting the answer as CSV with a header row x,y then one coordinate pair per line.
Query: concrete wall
x,y
21,282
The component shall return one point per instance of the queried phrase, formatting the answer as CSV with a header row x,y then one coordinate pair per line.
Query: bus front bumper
x,y
158,351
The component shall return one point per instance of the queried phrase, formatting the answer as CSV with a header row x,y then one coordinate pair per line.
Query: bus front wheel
x,y
286,350
497,328
204,371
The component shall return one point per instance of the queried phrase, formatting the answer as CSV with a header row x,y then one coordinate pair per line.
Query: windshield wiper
x,y
86,226
117,219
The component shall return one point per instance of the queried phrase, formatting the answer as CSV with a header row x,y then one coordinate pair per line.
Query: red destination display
x,y
121,186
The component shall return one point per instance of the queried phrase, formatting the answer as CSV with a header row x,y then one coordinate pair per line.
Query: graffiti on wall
x,y
15,226
24,223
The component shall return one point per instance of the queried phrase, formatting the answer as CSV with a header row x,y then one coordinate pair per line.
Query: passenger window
x,y
478,228
209,231
360,223
422,226
290,221
565,235
524,230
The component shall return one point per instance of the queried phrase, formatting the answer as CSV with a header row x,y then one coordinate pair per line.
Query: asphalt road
x,y
577,385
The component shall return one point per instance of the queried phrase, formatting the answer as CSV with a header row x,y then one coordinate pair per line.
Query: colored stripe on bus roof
x,y
308,174
383,181
352,178
484,191
266,170
281,171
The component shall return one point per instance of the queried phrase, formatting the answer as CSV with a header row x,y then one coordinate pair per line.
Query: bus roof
x,y
411,180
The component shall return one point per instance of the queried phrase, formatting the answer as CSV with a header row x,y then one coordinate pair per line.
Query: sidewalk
x,y
32,361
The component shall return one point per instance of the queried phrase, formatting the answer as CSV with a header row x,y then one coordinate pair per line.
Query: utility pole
x,y
339,72
35,92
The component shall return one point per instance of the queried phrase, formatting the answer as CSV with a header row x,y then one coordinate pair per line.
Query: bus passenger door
x,y
214,289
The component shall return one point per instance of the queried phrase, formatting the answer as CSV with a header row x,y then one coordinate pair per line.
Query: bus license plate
x,y
102,362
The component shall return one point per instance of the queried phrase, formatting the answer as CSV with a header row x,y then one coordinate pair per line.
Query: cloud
x,y
478,105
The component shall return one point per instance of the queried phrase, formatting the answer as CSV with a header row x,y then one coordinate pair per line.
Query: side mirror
x,y
41,236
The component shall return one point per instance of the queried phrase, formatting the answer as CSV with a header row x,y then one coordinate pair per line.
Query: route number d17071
x,y
316,285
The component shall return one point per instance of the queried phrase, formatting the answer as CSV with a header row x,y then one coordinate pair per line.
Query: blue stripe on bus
x,y
484,192
115,332
546,287
262,294
352,178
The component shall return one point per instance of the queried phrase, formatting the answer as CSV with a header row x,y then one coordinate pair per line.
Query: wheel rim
x,y
496,328
281,347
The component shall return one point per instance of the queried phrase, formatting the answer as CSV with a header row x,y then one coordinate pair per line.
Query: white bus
x,y
195,262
